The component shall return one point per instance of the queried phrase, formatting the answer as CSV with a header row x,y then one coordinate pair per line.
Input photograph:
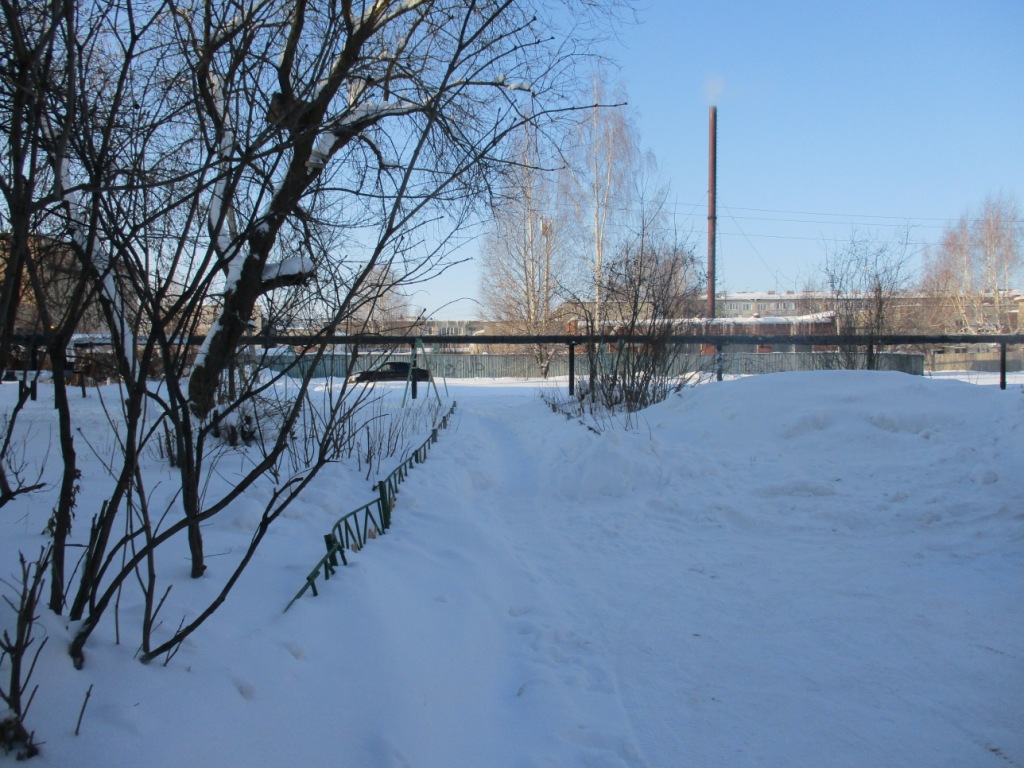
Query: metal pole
x,y
712,212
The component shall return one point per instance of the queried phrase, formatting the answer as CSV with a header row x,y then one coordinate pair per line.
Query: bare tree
x,y
524,257
404,115
602,164
971,271
16,648
206,162
653,287
863,279
36,79
385,306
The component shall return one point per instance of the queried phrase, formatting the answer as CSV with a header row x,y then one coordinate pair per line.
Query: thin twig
x,y
78,725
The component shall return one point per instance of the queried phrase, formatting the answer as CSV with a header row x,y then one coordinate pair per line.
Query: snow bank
x,y
798,569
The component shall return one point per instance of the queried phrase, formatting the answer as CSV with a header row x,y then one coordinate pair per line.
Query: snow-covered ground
x,y
802,569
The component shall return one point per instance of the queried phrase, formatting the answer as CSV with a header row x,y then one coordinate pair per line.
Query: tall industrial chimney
x,y
712,215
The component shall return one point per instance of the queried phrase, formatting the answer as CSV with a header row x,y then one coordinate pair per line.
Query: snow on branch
x,y
293,266
404,7
218,213
370,112
294,270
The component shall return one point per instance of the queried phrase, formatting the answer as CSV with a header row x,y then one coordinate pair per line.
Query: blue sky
x,y
832,117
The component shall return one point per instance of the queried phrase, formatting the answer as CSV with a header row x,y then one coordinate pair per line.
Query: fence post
x,y
1002,365
572,368
385,504
329,542
412,369
34,356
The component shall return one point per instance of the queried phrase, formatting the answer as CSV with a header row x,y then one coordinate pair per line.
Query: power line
x,y
847,216
844,216
844,219
901,223
798,237
688,211
757,253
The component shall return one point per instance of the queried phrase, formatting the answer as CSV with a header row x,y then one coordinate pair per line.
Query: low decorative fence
x,y
351,532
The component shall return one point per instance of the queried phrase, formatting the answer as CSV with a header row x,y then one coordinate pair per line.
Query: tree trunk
x,y
63,514
225,336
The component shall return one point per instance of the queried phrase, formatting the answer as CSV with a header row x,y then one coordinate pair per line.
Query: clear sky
x,y
832,117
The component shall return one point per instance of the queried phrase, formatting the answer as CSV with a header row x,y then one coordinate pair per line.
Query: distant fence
x,y
746,354
987,362
747,363
351,532
520,366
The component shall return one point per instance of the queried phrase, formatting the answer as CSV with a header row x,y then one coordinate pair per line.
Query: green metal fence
x,y
752,363
351,532
511,366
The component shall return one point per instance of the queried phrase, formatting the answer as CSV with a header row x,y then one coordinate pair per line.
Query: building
x,y
63,291
762,303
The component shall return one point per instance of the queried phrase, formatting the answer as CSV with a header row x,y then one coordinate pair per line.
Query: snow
x,y
813,317
796,569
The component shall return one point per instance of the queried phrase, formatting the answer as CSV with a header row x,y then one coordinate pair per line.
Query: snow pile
x,y
797,569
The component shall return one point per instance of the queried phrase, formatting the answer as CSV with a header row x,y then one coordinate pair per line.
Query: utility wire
x,y
838,219
773,272
798,237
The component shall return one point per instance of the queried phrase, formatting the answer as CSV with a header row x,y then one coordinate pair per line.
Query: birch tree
x,y
603,159
974,266
524,256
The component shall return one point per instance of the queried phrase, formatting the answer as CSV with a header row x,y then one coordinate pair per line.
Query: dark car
x,y
390,371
